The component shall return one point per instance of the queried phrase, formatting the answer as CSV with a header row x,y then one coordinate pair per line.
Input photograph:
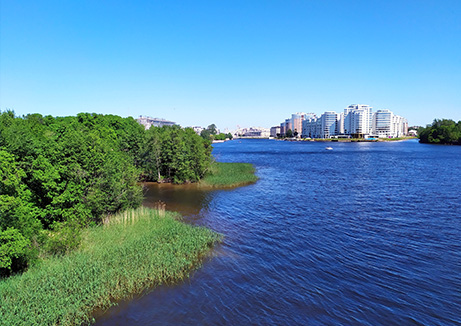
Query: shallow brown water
x,y
187,199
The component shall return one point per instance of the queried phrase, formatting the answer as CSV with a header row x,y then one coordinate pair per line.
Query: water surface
x,y
365,234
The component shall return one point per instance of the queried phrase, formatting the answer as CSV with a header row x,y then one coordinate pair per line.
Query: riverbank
x,y
133,251
229,175
350,140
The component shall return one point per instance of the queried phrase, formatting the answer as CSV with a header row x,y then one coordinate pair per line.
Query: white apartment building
x,y
309,127
324,127
358,119
388,125
400,126
329,124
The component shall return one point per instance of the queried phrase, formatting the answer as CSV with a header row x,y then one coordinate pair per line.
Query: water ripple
x,y
366,234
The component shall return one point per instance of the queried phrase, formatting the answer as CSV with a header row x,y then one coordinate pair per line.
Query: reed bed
x,y
133,251
229,175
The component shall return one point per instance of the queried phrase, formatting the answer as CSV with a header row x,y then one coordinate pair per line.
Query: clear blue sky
x,y
251,63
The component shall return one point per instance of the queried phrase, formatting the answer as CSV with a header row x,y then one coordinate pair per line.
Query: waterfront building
x,y
400,126
358,120
285,126
288,125
274,131
388,125
340,123
382,124
327,126
252,132
148,122
297,123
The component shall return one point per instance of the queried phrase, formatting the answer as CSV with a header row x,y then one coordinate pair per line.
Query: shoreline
x,y
228,175
349,140
222,175
133,252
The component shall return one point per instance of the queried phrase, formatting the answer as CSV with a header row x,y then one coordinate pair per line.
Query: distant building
x,y
198,129
274,131
148,122
326,126
388,125
297,122
252,132
358,120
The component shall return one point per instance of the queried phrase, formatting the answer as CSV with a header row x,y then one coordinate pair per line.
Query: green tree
x,y
441,132
213,129
13,249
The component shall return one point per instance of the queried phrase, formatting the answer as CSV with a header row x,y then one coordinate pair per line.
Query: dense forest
x,y
443,131
60,174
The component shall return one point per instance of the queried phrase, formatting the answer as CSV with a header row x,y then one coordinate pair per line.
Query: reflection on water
x,y
188,199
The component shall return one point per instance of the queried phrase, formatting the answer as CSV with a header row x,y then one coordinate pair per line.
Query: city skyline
x,y
230,63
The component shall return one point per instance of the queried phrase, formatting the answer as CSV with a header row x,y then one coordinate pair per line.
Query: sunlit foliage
x,y
441,132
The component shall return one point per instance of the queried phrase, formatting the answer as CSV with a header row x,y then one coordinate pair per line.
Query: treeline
x,y
60,174
443,131
211,133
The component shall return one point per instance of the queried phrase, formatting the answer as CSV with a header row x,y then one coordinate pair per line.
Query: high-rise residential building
x,y
358,120
324,127
297,122
309,127
382,124
340,123
400,126
388,125
329,124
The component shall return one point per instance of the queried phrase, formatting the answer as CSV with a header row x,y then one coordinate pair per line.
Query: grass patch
x,y
133,251
397,138
229,175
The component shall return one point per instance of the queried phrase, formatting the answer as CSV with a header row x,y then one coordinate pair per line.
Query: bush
x,y
13,249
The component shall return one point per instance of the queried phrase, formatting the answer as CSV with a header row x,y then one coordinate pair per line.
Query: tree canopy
x,y
211,133
58,174
441,132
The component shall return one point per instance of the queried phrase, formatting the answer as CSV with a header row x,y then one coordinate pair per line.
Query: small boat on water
x,y
328,148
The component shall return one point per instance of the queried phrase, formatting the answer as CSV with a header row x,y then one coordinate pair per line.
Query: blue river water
x,y
364,234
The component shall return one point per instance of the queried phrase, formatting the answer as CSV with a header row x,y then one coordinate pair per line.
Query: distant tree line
x,y
211,133
443,131
59,174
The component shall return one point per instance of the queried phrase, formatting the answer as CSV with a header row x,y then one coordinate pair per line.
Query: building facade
x,y
388,125
148,122
357,121
275,131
